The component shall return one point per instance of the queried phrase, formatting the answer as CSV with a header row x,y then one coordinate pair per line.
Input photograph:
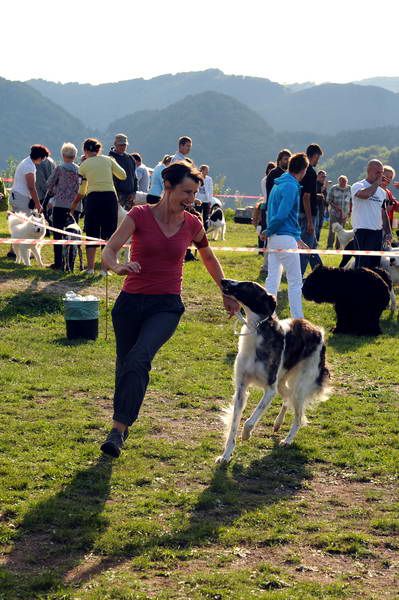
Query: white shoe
x,y
88,271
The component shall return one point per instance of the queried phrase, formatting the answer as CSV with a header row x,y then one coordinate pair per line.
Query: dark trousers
x,y
143,323
368,239
310,239
205,210
59,219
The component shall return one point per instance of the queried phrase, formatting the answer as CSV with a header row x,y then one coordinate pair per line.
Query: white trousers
x,y
292,265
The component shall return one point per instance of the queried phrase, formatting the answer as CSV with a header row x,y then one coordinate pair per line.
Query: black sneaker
x,y
114,443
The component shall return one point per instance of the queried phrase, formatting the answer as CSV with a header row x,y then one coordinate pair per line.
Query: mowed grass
x,y
313,521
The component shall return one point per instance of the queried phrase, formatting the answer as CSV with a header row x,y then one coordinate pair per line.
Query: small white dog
x,y
217,223
344,235
23,227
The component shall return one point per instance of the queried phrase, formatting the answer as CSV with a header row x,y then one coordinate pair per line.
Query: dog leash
x,y
252,329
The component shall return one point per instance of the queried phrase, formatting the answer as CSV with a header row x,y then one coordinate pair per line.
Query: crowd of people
x,y
297,200
94,185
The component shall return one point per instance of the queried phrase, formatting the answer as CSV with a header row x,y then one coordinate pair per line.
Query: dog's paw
x,y
246,432
286,442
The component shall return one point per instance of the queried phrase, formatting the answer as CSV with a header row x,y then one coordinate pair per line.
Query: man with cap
x,y
126,189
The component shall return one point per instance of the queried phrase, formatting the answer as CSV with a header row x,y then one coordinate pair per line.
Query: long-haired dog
x,y
216,224
23,227
359,296
287,357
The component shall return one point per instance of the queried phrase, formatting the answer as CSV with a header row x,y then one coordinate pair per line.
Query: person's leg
x,y
368,239
305,237
314,259
331,234
275,268
59,219
156,327
92,227
108,218
205,214
292,266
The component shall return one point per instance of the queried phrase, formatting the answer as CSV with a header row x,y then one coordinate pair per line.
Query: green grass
x,y
307,522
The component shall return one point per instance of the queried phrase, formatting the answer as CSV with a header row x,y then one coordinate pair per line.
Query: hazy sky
x,y
288,41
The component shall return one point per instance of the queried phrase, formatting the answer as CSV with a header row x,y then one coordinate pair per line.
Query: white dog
x,y
344,235
23,227
217,223
287,357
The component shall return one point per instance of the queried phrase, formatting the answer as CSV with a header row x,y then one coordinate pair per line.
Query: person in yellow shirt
x,y
101,208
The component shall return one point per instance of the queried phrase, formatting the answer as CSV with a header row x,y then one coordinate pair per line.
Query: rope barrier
x,y
98,242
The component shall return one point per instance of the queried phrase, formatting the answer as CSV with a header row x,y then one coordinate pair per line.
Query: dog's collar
x,y
252,327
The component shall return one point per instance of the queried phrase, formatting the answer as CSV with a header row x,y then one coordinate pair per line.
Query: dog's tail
x,y
227,418
323,389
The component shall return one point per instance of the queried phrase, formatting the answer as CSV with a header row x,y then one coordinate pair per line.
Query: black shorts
x,y
101,214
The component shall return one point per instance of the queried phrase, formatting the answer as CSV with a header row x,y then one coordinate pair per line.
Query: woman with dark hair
x,y
149,307
24,196
101,203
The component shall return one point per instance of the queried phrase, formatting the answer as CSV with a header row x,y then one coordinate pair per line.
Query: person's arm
x,y
308,212
366,193
386,225
52,181
215,270
115,243
30,182
117,170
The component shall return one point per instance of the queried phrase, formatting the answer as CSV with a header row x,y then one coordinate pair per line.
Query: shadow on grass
x,y
56,533
343,343
230,494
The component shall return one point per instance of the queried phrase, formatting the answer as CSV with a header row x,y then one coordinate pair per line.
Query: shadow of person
x,y
231,493
57,532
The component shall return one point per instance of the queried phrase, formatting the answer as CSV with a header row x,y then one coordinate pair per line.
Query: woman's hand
x,y
230,305
130,267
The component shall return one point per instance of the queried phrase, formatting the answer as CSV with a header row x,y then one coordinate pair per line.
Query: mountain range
x,y
237,123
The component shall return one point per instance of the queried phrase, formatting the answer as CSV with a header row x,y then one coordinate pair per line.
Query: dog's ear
x,y
271,304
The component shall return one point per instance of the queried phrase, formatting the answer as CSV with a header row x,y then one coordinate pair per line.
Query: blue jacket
x,y
283,207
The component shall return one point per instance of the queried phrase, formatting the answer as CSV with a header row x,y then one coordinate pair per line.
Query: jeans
x,y
291,264
368,239
142,324
310,240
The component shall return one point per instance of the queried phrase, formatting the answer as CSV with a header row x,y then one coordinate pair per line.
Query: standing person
x,y
63,185
339,201
321,190
281,167
149,307
185,146
282,164
308,210
142,175
283,231
44,170
24,196
259,216
368,214
391,204
3,192
126,188
101,204
205,195
156,189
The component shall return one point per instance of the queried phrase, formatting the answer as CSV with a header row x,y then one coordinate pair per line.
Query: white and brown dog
x,y
285,357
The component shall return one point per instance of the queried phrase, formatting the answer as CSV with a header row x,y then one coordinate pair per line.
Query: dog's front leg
x,y
37,255
258,412
237,406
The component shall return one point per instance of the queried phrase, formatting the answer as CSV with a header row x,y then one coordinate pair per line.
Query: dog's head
x,y
37,222
251,296
321,285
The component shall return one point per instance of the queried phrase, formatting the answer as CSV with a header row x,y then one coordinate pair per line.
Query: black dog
x,y
359,296
69,252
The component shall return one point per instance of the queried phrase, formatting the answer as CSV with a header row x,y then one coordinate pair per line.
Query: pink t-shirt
x,y
161,258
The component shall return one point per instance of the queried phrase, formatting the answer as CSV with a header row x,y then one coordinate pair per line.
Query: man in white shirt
x,y
368,213
142,175
24,195
205,195
185,145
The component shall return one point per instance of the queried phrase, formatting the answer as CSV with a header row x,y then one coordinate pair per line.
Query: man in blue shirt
x,y
283,232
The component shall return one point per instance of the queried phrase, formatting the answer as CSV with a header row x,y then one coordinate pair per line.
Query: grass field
x,y
318,520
